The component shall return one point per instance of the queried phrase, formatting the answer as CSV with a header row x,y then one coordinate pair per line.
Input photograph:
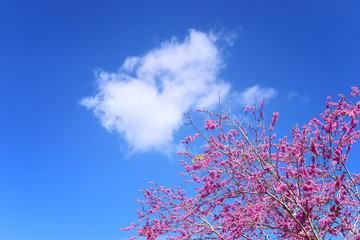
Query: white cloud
x,y
295,95
144,101
255,94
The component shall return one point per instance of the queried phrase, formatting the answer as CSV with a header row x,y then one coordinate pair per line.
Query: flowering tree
x,y
251,185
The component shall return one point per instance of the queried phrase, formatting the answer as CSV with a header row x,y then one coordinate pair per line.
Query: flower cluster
x,y
252,185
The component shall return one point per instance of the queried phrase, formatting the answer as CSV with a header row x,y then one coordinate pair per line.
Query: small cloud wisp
x,y
255,94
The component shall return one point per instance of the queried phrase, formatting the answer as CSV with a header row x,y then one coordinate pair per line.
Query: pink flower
x,y
246,180
210,125
355,92
274,120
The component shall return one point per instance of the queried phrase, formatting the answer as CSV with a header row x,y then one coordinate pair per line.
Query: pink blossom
x,y
355,92
249,183
210,125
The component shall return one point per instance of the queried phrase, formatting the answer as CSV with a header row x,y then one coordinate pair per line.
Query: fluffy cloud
x,y
144,101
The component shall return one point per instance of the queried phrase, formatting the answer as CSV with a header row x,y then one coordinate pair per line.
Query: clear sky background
x,y
92,95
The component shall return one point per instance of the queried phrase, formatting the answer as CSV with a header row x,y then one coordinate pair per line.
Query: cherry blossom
x,y
250,184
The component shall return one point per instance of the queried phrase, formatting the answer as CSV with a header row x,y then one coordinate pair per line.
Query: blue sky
x,y
76,135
